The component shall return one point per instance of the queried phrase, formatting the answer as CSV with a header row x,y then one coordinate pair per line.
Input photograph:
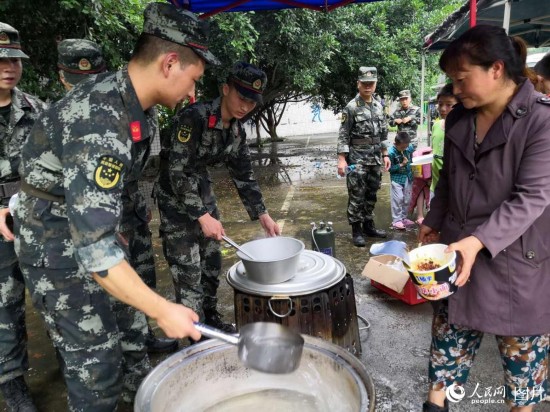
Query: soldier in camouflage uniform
x,y
18,112
407,117
362,142
79,59
70,206
207,134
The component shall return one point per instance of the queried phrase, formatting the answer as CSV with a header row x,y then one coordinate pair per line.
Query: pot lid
x,y
316,271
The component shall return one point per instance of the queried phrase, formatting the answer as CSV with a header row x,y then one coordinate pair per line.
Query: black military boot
x,y
370,231
160,345
213,318
17,395
357,235
432,407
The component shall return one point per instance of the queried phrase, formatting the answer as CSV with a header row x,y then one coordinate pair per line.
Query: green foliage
x,y
114,24
388,35
304,53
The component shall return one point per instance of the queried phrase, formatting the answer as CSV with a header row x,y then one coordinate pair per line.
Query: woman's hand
x,y
468,248
427,235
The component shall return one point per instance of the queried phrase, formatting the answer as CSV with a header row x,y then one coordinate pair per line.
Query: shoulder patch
x,y
184,133
108,172
544,100
344,117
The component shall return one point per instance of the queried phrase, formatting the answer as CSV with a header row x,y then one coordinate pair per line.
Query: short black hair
x,y
149,47
482,45
542,68
446,90
402,137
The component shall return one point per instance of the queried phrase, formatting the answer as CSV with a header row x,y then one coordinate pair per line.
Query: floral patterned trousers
x,y
524,359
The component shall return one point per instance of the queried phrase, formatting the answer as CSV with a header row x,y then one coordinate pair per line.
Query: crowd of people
x,y
75,227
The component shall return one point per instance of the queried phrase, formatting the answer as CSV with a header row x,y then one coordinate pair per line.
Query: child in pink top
x,y
420,198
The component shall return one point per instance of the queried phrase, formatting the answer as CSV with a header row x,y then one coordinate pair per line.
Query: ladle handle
x,y
236,246
216,333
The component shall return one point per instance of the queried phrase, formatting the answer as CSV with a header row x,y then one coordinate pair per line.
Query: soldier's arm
x,y
184,176
384,133
344,137
392,119
123,283
240,169
344,134
415,117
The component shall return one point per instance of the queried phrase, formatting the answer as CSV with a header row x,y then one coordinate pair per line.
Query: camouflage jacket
x,y
199,140
83,149
135,210
414,113
25,109
363,132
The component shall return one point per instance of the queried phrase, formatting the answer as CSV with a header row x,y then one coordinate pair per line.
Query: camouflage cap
x,y
248,80
367,74
10,44
79,58
179,26
404,93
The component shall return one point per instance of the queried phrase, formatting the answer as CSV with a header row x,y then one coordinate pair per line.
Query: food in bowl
x,y
426,264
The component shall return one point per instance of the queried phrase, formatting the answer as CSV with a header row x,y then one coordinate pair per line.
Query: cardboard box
x,y
394,282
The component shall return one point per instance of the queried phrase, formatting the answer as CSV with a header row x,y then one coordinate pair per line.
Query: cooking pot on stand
x,y
318,301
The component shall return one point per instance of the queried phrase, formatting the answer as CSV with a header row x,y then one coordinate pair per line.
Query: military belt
x,y
364,141
41,194
9,189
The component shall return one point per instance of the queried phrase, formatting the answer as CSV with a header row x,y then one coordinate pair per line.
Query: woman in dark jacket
x,y
491,205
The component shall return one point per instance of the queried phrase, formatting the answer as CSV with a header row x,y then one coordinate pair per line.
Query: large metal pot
x,y
275,259
209,377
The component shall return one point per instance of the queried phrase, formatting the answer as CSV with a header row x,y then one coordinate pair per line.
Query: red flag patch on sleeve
x,y
135,131
212,121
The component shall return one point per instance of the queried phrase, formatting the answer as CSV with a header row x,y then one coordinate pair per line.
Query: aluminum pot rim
x,y
147,387
243,257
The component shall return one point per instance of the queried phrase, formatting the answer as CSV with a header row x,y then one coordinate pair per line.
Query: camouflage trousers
x,y
13,333
140,253
195,265
101,356
363,183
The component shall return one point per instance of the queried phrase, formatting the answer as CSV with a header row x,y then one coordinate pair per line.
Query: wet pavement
x,y
299,188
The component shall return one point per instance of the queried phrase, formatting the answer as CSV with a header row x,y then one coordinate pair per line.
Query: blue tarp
x,y
213,7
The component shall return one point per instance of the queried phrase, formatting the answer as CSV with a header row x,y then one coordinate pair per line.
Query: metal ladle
x,y
236,246
263,346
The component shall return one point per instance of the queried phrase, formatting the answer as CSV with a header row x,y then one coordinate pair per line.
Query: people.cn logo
x,y
455,393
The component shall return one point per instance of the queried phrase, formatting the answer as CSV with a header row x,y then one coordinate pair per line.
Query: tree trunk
x,y
259,145
272,128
